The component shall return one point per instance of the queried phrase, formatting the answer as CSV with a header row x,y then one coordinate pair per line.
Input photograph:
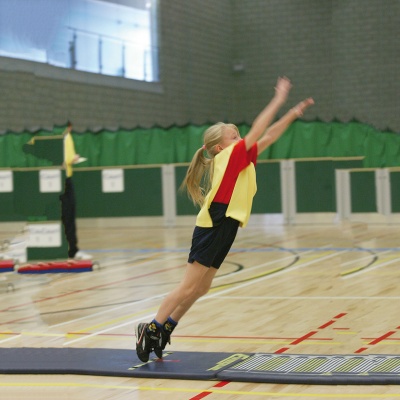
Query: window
x,y
109,37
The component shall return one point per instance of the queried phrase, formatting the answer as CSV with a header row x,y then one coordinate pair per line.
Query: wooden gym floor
x,y
321,288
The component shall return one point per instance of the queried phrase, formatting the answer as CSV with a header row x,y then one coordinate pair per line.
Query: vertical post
x,y
123,69
288,191
343,194
169,195
145,55
72,52
383,192
153,73
100,55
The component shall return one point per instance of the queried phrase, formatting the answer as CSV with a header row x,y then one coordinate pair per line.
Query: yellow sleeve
x,y
69,153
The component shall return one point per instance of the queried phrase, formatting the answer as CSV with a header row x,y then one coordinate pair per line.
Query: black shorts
x,y
210,246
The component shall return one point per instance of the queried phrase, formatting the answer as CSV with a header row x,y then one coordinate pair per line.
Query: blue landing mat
x,y
114,362
237,367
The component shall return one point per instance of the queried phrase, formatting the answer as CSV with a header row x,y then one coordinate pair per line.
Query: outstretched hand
x,y
282,88
302,106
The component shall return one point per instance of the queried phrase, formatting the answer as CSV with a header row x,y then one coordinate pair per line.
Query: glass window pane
x,y
100,36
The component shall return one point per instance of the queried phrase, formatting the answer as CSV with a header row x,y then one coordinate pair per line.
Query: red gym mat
x,y
6,265
57,267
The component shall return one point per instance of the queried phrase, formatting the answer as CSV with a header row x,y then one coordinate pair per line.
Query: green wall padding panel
x,y
303,140
178,144
363,196
47,150
395,190
30,202
7,209
142,195
184,205
315,186
268,197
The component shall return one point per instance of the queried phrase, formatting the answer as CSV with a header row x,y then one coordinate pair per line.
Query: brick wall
x,y
344,53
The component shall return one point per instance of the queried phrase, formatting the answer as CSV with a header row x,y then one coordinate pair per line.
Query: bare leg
x,y
187,289
203,288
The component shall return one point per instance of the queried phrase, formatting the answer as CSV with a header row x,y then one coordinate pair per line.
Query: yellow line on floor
x,y
213,391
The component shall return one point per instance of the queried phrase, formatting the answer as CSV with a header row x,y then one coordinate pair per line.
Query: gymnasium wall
x,y
195,80
219,61
344,53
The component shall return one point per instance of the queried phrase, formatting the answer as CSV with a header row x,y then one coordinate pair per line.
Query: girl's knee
x,y
202,291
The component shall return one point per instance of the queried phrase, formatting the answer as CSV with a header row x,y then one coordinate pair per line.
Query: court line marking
x,y
207,297
369,269
135,303
155,297
215,390
262,249
11,338
313,297
103,271
218,292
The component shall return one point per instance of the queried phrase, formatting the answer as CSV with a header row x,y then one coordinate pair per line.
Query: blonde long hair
x,y
197,182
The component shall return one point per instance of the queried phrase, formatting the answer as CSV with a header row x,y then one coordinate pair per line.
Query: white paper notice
x,y
44,235
6,181
112,180
50,181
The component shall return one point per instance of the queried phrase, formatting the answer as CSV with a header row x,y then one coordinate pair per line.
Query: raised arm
x,y
274,132
267,115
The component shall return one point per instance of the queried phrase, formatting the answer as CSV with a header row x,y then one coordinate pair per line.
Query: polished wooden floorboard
x,y
279,284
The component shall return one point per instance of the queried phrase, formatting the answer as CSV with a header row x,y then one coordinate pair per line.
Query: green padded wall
x,y
30,202
7,209
268,197
315,183
142,195
363,194
184,205
315,186
178,144
395,190
47,149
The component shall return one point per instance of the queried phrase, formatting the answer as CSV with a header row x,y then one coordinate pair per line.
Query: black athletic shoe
x,y
162,342
144,344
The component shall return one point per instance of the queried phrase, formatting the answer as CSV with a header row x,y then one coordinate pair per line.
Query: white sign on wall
x,y
50,181
44,235
6,181
112,180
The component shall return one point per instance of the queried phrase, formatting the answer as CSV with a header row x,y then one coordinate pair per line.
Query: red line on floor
x,y
222,384
303,338
245,337
361,349
206,393
383,337
200,396
377,340
332,321
281,350
327,324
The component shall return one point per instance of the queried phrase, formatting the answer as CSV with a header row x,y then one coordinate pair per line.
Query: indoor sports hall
x,y
104,105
